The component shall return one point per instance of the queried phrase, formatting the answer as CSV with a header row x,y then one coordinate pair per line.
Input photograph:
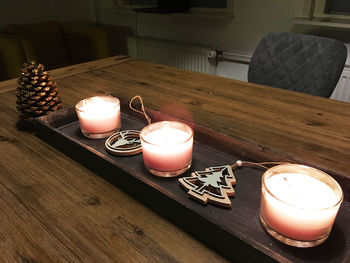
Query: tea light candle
x,y
99,116
167,148
299,204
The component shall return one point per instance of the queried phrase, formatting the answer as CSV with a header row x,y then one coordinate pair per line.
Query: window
x,y
209,3
141,2
220,9
193,3
330,9
341,7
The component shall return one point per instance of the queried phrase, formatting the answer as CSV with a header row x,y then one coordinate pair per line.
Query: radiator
x,y
175,54
342,90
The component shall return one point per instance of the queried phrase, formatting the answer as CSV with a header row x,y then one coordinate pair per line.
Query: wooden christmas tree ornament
x,y
215,184
212,185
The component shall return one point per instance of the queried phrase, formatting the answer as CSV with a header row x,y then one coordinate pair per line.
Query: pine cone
x,y
36,92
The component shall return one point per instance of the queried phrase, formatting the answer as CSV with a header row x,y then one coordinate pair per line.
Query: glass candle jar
x,y
299,204
99,117
167,148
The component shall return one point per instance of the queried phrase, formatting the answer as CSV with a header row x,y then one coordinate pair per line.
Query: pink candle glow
x,y
299,204
99,117
167,148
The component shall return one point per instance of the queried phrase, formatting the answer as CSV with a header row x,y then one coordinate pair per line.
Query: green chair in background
x,y
52,44
12,56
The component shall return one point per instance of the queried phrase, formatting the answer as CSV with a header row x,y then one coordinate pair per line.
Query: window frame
x,y
319,11
193,10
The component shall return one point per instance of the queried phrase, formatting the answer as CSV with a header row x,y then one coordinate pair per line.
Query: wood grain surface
x,y
55,210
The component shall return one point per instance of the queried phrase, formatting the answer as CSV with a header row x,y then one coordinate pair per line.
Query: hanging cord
x,y
251,164
142,111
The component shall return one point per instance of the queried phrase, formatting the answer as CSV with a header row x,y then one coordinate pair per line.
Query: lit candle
x,y
167,148
299,204
99,116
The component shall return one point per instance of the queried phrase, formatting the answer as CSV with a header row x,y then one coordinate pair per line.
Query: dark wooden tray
x,y
235,233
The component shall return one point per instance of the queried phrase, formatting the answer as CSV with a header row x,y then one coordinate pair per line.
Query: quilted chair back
x,y
302,63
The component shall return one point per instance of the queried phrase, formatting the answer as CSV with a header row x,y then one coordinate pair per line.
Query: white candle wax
x,y
99,115
299,206
167,148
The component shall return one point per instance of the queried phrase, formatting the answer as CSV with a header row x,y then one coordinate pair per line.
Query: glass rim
x,y
269,172
83,102
142,137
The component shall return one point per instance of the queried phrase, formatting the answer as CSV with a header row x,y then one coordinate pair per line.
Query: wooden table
x,y
54,210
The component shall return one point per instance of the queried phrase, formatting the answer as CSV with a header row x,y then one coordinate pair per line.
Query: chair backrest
x,y
302,63
47,41
12,57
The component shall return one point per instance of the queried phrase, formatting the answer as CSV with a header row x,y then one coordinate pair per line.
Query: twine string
x,y
142,111
252,164
238,163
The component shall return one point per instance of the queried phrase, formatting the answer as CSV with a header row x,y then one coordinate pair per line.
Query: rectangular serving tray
x,y
236,233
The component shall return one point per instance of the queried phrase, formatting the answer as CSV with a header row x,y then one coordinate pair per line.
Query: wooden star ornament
x,y
214,185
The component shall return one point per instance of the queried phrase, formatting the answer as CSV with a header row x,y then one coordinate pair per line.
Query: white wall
x,y
232,70
239,34
252,20
26,11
